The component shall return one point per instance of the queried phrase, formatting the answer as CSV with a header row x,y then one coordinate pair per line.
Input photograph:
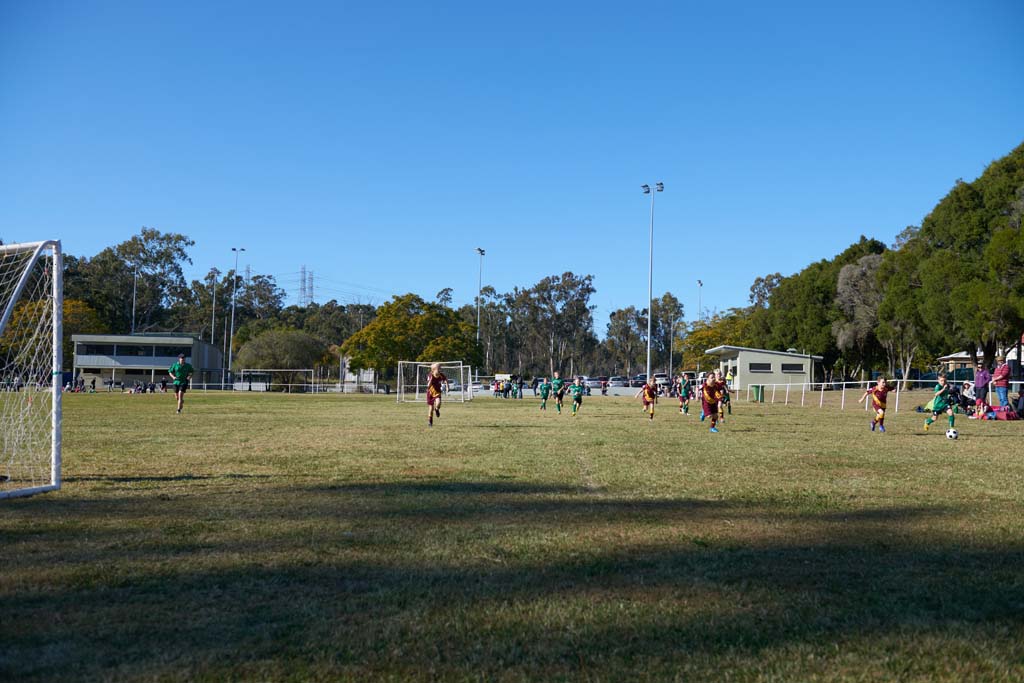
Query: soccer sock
x,y
558,407
929,421
952,420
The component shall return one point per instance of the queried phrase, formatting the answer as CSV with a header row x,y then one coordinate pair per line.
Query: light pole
x,y
671,341
700,287
213,299
234,287
659,187
479,290
135,286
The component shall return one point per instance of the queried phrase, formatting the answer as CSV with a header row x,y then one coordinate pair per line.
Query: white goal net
x,y
412,381
31,304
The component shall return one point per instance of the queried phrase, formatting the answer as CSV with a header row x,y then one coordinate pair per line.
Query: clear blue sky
x,y
379,143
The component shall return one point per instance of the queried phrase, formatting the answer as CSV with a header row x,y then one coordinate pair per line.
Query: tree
x,y
624,339
283,350
78,318
404,329
858,294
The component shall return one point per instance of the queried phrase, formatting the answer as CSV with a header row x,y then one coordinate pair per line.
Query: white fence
x,y
839,394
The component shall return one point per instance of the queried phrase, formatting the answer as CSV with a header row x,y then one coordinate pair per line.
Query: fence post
x,y
774,387
787,394
897,409
803,392
821,401
842,405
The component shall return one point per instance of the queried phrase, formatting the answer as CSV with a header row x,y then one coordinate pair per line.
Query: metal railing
x,y
838,394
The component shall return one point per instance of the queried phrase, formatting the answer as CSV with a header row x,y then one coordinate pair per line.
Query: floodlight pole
x,y
234,287
213,316
135,286
658,187
479,293
700,287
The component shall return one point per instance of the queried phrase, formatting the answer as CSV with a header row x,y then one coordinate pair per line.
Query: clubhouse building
x,y
113,359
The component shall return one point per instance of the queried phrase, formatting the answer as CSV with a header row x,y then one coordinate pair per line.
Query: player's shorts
x,y
560,394
578,400
647,403
180,388
432,398
710,408
544,397
938,408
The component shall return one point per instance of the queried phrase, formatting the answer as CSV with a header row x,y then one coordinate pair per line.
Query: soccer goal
x,y
412,381
31,304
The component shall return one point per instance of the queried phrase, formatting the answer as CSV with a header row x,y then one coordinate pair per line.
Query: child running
x,y
181,373
545,391
941,404
709,401
648,394
684,394
724,403
577,390
435,380
878,394
558,387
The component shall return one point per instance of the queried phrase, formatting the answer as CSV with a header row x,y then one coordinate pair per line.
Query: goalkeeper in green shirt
x,y
545,391
558,386
180,373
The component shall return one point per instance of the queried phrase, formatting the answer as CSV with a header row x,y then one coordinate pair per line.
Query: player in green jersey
x,y
577,390
558,387
941,404
545,391
684,394
180,373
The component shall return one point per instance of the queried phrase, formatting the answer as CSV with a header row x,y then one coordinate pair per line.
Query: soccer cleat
x,y
702,417
872,425
881,428
179,411
714,430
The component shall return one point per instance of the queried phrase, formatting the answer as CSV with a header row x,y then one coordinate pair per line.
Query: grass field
x,y
295,538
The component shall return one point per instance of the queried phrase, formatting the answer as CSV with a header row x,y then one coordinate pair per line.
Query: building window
x,y
759,367
134,350
95,349
793,367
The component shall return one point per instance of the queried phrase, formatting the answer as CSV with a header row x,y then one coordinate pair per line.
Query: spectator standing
x,y
1001,381
982,378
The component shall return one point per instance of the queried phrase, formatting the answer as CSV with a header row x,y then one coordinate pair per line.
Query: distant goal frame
x,y
416,391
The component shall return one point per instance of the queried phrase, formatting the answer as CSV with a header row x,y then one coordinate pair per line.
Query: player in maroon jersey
x,y
878,394
435,380
648,394
709,399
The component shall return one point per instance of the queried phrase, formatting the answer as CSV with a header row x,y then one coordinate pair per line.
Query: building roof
x,y
1010,354
722,350
161,338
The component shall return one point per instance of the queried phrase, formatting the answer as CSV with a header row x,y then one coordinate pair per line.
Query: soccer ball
x,y
952,434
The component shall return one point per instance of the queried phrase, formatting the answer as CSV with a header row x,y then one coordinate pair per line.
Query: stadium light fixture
x,y
234,287
659,187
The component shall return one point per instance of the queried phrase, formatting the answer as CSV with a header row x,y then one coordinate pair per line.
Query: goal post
x,y
31,364
412,381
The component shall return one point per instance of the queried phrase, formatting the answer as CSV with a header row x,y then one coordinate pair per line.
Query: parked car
x,y
661,378
595,382
638,380
618,381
